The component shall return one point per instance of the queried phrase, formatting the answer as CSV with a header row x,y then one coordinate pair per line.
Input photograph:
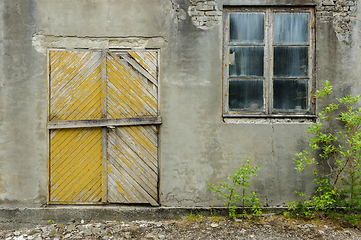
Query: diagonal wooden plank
x,y
79,167
143,149
129,157
147,60
121,156
62,79
72,85
71,67
132,74
114,188
77,164
139,135
132,189
75,87
127,184
143,174
86,191
59,148
150,134
131,101
71,183
78,103
139,68
80,193
128,89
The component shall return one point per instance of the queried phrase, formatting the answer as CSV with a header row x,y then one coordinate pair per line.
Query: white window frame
x,y
268,65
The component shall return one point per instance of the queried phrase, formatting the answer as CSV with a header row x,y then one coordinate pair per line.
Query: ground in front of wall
x,y
192,227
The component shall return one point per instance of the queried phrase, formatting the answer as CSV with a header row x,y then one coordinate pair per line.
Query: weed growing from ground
x,y
340,152
240,179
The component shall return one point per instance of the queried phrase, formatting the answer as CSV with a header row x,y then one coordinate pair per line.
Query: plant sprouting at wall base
x,y
239,179
323,199
340,151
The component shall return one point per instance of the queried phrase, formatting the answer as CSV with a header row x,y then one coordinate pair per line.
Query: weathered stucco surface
x,y
196,145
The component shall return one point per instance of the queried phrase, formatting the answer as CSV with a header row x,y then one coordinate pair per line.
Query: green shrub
x,y
239,179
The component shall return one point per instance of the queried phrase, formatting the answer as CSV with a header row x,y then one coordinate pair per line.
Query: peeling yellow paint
x,y
76,93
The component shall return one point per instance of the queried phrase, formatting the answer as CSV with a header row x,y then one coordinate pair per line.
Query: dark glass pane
x,y
290,94
290,28
246,28
290,61
246,95
246,61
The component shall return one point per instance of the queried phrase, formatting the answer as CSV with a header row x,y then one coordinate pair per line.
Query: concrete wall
x,y
197,145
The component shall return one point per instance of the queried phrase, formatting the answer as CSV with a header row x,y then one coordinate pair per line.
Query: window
x,y
268,62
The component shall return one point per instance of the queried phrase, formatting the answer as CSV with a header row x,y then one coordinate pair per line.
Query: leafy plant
x,y
239,179
338,150
323,199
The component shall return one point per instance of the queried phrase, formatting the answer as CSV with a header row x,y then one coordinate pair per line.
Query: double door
x,y
103,127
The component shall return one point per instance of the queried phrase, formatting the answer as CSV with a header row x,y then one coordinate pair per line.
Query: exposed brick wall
x,y
342,13
204,14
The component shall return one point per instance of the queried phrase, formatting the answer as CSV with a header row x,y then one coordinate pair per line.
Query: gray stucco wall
x,y
196,145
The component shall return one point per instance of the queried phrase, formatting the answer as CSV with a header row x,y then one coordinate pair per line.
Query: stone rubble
x,y
208,228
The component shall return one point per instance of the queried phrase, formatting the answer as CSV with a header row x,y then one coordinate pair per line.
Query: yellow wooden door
x,y
103,117
132,150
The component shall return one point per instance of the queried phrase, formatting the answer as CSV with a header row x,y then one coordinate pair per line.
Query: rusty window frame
x,y
268,64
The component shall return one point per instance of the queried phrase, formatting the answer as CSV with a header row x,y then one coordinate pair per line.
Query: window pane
x,y
246,95
246,28
290,28
246,61
290,61
290,94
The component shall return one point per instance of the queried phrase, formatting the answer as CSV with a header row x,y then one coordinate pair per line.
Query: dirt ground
x,y
194,227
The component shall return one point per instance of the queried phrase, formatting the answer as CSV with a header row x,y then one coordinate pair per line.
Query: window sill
x,y
269,119
270,116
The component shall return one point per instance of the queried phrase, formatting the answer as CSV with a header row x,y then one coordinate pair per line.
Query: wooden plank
x,y
124,86
75,87
103,85
104,130
75,174
140,145
105,122
104,165
49,131
147,60
139,68
136,151
142,174
123,186
131,181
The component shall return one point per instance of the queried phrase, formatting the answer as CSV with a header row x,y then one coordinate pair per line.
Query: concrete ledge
x,y
11,218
